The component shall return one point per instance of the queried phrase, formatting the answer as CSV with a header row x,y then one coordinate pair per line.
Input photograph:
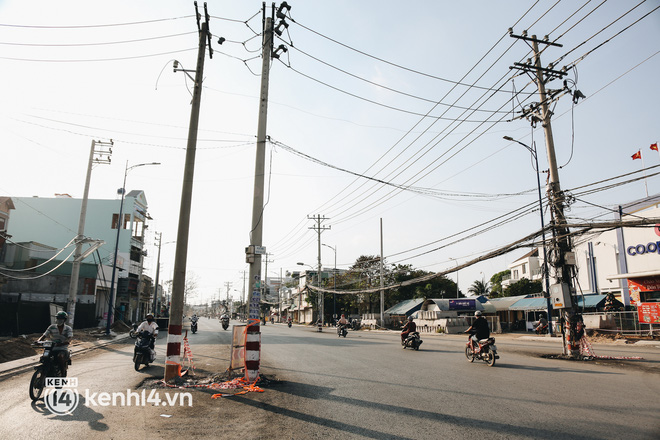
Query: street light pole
x,y
113,292
545,255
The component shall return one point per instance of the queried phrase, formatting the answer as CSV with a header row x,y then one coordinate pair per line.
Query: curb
x,y
21,365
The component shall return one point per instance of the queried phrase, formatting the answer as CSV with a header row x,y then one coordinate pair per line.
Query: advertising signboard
x,y
649,313
461,304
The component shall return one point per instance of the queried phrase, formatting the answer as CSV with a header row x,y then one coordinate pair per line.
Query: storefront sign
x,y
649,313
461,304
641,249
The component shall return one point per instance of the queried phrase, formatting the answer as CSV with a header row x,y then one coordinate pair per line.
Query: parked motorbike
x,y
133,332
341,330
413,340
48,367
225,324
193,326
143,353
486,351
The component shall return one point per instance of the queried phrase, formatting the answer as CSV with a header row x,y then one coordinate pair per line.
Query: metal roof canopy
x,y
406,307
540,304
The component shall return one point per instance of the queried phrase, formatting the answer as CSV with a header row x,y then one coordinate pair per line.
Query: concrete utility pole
x,y
319,228
561,243
228,286
254,287
100,156
382,280
253,336
173,359
154,308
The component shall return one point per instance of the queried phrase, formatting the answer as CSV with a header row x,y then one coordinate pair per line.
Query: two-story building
x,y
54,221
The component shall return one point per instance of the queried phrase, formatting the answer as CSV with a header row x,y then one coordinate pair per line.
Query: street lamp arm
x,y
141,165
527,147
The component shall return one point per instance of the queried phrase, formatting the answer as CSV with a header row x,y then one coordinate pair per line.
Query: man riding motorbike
x,y
151,327
542,325
408,328
61,334
479,329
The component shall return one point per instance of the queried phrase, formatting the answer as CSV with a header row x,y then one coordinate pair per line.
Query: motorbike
x,y
225,324
341,330
48,367
541,330
486,351
193,326
289,324
133,332
143,353
413,340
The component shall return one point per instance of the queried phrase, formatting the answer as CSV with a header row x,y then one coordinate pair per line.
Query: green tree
x,y
523,287
496,283
479,287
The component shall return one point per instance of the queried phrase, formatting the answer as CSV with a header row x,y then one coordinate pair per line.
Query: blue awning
x,y
530,304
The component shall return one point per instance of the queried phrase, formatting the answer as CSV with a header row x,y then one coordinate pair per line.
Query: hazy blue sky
x,y
350,94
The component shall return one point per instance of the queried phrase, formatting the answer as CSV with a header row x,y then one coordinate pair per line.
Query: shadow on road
x,y
551,369
308,391
82,413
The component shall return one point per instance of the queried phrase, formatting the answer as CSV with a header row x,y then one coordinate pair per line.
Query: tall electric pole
x,y
561,242
98,156
319,228
382,282
228,286
254,251
173,359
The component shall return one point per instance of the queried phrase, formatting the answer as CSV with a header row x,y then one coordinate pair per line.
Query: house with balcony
x,y
528,266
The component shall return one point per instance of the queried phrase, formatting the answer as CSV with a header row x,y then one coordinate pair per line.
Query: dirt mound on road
x,y
16,348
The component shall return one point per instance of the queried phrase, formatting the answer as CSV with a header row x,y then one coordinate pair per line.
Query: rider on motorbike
x,y
61,334
342,320
542,324
479,329
408,328
151,327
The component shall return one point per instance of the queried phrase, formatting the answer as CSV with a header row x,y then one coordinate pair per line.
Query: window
x,y
127,219
524,268
515,274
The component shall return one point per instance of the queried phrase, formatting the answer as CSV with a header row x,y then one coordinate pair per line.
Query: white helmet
x,y
477,313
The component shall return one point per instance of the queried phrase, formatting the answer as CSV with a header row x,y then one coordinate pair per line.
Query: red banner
x,y
649,313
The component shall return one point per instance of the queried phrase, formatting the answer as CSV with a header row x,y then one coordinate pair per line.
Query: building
x,y
624,261
53,222
528,266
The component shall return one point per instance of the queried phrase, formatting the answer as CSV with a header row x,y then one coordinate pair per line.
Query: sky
x,y
379,110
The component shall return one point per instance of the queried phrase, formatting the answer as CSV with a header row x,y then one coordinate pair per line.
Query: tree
x,y
496,283
523,287
479,287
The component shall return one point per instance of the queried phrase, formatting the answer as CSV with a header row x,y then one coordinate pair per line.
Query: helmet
x,y
477,313
149,315
62,315
410,318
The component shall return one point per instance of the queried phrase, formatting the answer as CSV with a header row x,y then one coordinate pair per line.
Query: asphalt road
x,y
364,386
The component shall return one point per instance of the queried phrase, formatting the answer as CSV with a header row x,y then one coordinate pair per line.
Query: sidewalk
x,y
24,364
